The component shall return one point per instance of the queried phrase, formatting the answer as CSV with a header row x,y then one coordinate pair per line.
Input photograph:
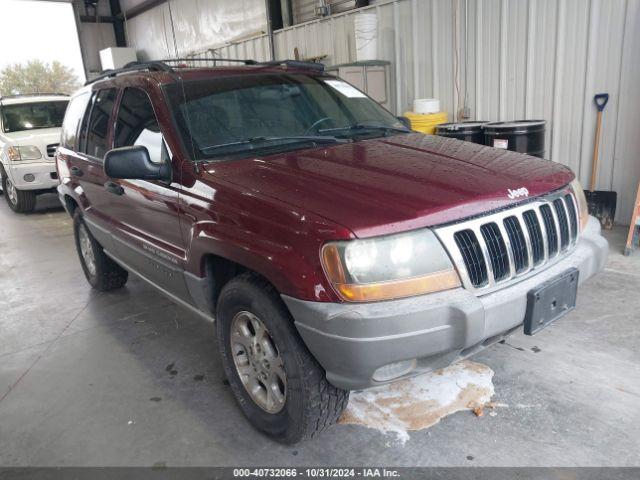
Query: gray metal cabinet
x,y
372,77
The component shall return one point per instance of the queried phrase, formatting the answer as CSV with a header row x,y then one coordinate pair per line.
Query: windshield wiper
x,y
365,126
255,142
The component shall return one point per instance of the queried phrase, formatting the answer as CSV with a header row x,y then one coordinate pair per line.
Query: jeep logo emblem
x,y
521,192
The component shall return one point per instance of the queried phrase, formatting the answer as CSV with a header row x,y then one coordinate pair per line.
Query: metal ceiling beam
x,y
116,19
98,19
118,23
140,9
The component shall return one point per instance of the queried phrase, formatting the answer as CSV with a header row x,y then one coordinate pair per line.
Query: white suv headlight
x,y
388,267
26,152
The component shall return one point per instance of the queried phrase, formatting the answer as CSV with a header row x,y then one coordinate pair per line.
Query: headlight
x,y
27,152
583,208
393,266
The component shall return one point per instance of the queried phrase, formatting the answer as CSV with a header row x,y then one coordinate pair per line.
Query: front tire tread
x,y
322,403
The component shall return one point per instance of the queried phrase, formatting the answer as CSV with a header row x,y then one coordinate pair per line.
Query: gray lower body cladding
x,y
351,341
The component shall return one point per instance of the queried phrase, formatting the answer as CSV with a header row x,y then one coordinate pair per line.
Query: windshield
x,y
29,116
265,113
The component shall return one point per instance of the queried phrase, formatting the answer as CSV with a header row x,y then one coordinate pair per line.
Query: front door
x,y
146,226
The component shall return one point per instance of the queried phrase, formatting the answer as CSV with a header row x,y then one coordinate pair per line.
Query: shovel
x,y
602,203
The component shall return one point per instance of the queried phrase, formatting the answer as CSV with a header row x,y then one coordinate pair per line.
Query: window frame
x,y
75,146
84,126
166,154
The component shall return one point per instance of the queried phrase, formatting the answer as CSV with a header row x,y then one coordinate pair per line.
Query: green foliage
x,y
36,76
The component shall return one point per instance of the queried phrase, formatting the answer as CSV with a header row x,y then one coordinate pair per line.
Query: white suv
x,y
29,135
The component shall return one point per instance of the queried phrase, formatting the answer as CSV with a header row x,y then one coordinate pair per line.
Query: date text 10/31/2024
x,y
316,472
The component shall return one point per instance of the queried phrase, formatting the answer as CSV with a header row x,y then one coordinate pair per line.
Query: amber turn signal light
x,y
433,282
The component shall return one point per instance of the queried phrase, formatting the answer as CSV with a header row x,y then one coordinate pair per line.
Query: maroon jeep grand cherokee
x,y
335,248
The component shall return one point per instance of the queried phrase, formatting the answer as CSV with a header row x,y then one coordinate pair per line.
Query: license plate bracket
x,y
551,300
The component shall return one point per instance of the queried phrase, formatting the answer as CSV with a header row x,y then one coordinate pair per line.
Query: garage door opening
x,y
41,51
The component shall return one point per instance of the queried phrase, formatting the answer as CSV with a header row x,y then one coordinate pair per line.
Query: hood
x,y
397,183
38,137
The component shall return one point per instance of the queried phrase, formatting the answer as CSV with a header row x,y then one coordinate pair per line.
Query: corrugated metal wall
x,y
305,10
183,27
506,59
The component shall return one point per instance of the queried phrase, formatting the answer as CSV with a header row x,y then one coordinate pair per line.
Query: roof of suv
x,y
33,98
164,73
200,73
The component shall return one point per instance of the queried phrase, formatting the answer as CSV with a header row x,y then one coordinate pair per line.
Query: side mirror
x,y
134,163
405,121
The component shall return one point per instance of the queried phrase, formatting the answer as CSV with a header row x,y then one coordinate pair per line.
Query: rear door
x,y
85,139
67,155
94,140
147,232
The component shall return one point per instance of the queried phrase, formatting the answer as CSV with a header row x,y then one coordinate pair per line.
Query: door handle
x,y
113,187
76,171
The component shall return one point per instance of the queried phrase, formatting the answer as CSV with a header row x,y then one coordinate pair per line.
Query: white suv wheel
x,y
11,192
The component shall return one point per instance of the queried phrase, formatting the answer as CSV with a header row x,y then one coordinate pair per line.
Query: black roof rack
x,y
161,65
272,63
295,64
214,60
44,94
133,67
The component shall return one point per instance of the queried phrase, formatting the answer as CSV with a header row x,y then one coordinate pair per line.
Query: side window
x,y
72,118
81,142
98,126
137,124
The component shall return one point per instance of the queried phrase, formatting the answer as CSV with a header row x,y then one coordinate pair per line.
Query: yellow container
x,y
426,122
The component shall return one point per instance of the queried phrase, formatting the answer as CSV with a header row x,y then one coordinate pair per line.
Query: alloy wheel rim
x,y
86,250
11,191
258,362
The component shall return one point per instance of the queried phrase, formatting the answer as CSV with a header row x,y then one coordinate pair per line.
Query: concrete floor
x,y
86,378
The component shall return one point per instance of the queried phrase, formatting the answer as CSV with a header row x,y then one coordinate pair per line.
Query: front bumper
x,y
352,341
45,175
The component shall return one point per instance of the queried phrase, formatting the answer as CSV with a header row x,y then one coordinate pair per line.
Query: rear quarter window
x,y
75,112
97,141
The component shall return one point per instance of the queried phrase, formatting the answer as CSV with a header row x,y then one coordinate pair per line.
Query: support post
x,y
272,51
118,23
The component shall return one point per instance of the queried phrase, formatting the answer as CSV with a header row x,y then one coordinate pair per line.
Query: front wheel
x,y
20,201
280,387
102,273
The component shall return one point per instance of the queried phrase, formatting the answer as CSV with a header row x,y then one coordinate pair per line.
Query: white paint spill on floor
x,y
420,402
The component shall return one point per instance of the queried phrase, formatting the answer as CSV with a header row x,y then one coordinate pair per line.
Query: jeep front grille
x,y
573,215
551,227
535,236
518,243
472,256
494,250
498,255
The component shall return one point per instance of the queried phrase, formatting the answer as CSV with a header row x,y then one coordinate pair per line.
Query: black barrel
x,y
524,136
470,131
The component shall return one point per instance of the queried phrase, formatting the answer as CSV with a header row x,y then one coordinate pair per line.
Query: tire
x,y
102,273
311,403
20,201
